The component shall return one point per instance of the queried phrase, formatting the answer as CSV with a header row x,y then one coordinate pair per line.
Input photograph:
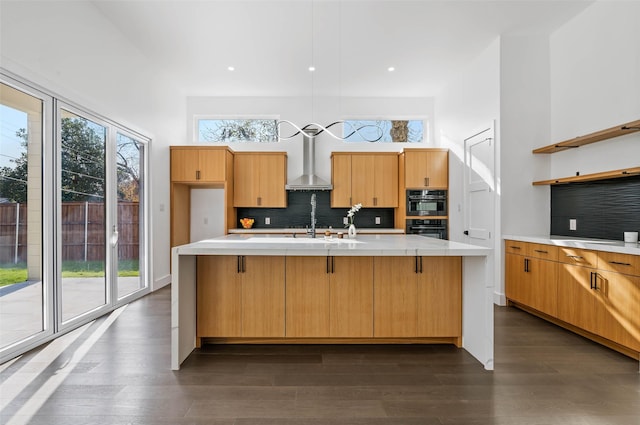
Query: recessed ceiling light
x,y
391,69
312,68
231,68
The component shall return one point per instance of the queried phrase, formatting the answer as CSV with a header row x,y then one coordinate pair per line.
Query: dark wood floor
x,y
543,375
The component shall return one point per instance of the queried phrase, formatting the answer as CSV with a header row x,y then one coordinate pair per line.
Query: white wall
x,y
595,84
469,104
207,214
303,110
70,49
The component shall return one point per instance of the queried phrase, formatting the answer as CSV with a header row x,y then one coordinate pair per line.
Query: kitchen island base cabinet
x,y
240,296
329,297
418,297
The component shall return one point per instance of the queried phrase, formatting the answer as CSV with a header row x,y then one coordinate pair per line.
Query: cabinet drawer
x,y
621,263
515,247
538,250
578,257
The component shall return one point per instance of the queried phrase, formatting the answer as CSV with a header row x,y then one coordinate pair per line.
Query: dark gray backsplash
x,y
298,213
603,209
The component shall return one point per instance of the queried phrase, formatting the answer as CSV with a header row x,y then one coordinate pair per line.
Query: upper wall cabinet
x,y
259,179
367,178
191,164
426,168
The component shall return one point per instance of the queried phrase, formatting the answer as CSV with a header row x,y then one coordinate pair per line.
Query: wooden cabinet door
x,y
351,297
307,297
617,311
341,181
272,181
263,296
363,180
576,299
246,180
385,180
184,165
212,165
440,297
219,295
426,169
517,285
544,285
395,297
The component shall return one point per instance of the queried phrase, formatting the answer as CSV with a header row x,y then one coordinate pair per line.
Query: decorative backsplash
x,y
298,213
602,209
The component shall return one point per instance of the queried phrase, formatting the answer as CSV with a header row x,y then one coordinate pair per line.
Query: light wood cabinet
x,y
240,296
260,179
595,291
329,297
440,297
194,165
418,297
370,179
531,275
426,168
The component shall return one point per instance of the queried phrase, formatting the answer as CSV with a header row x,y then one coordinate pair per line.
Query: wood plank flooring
x,y
120,375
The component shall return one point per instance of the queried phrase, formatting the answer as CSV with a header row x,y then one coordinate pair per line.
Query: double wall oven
x,y
425,212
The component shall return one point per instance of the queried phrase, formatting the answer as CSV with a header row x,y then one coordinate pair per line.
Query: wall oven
x,y
426,202
432,228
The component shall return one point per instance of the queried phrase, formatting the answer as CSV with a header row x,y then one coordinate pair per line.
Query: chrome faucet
x,y
312,231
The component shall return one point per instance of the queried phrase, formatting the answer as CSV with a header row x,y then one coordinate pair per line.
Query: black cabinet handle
x,y
515,247
575,257
239,265
541,251
619,263
591,280
526,265
197,174
244,263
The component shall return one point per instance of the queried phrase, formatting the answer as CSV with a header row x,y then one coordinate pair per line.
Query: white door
x,y
479,184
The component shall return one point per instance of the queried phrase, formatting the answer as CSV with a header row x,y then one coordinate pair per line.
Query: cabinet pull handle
x,y
591,280
526,265
375,201
619,263
514,247
426,181
197,174
575,257
259,200
239,266
541,251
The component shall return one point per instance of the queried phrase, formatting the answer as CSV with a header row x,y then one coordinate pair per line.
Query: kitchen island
x,y
399,274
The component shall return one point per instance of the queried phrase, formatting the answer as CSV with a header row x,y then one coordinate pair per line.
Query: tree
x,y
83,165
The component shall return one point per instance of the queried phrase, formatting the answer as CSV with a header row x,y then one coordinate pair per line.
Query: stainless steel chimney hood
x,y
308,180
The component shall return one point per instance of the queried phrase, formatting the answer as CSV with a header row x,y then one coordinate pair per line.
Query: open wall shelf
x,y
598,136
627,172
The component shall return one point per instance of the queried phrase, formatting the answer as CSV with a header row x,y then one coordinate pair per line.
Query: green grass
x,y
16,273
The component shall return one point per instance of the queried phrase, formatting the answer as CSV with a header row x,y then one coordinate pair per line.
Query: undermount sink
x,y
300,239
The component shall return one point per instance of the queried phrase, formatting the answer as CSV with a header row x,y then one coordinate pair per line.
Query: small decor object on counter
x,y
350,215
247,223
631,237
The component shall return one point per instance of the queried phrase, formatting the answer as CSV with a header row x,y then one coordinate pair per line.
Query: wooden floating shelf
x,y
609,133
627,172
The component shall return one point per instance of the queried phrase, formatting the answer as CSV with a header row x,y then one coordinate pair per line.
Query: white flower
x,y
351,213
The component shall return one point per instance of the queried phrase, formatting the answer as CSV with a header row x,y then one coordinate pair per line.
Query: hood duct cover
x,y
308,180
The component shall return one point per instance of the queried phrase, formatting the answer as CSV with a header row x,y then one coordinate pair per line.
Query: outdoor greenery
x,y
17,273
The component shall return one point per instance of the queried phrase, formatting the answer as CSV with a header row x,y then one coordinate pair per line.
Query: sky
x,y
11,120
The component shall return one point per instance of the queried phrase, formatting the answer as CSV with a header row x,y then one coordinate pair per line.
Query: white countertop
x,y
584,243
319,231
363,245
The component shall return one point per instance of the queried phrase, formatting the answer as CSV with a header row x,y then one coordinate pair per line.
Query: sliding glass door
x,y
25,284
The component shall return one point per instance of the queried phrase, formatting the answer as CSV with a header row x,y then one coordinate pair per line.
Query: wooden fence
x,y
83,231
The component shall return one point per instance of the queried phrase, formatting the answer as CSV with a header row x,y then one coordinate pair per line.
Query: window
x,y
387,131
237,130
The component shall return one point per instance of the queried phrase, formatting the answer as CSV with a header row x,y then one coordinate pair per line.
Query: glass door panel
x,y
130,211
22,293
83,190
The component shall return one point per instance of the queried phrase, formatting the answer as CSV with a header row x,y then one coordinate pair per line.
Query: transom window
x,y
385,131
238,130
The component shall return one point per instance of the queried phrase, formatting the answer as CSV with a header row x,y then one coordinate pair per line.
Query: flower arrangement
x,y
352,212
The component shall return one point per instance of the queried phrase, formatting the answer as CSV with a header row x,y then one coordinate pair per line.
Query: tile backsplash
x,y
298,213
602,209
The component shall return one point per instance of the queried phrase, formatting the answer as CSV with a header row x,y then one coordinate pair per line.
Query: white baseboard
x,y
162,282
499,299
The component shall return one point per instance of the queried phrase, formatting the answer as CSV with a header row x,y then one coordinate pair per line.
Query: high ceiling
x,y
271,44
